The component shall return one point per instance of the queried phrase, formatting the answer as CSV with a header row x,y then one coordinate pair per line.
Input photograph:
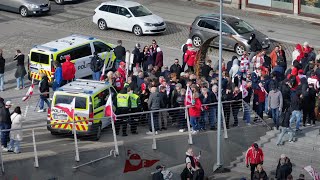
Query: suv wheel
x,y
197,41
137,30
239,49
23,11
59,1
102,25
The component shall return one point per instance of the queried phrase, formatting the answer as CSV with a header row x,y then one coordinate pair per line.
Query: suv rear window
x,y
40,58
81,102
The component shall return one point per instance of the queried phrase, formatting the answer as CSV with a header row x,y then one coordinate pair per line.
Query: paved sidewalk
x,y
277,27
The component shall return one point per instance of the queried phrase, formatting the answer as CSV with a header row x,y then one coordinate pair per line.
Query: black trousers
x,y
308,112
253,169
133,121
123,121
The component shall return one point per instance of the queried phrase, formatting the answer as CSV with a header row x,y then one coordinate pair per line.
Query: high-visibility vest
x,y
123,100
126,84
134,100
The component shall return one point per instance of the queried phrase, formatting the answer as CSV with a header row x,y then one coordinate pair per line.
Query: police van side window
x,y
76,53
100,47
101,99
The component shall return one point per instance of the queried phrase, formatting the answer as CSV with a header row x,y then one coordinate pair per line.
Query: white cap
x,y
305,44
8,103
283,156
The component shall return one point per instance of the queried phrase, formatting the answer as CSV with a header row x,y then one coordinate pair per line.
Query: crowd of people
x,y
286,90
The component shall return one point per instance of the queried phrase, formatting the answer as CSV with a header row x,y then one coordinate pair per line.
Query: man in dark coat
x,y
284,168
255,46
44,90
3,119
120,53
21,71
6,125
137,58
176,68
96,66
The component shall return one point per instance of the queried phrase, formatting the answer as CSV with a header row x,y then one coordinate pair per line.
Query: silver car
x,y
235,33
26,7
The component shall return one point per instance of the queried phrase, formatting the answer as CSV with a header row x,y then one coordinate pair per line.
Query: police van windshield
x,y
81,102
39,58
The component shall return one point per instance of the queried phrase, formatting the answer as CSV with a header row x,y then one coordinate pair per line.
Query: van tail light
x,y
49,114
91,116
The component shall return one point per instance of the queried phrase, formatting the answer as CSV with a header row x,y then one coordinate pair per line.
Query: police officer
x,y
123,104
135,107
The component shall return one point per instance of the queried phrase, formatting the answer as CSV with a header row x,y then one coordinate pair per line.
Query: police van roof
x,y
66,42
83,86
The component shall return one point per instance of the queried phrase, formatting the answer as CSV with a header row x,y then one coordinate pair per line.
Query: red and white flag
x,y
315,175
108,112
188,99
243,89
67,108
29,92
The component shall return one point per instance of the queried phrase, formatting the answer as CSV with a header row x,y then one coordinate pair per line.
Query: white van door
x,y
81,57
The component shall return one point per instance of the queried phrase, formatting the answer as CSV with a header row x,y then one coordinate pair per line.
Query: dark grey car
x,y
26,7
235,32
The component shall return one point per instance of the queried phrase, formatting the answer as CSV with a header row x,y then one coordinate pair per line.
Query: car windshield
x,y
139,11
242,27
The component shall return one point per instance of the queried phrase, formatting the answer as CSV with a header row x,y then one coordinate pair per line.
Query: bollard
x,y
188,124
36,162
154,143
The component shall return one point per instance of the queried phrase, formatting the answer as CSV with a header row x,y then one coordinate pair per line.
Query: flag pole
x,y
77,158
116,148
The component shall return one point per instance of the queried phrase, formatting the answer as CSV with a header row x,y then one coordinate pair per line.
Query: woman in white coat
x,y
15,135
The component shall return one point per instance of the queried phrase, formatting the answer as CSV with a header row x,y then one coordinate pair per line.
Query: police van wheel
x,y
98,134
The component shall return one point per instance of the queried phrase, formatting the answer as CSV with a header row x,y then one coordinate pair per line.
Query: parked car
x,y
235,32
26,7
128,16
63,1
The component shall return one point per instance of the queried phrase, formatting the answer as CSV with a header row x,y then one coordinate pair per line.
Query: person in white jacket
x,y
15,135
234,69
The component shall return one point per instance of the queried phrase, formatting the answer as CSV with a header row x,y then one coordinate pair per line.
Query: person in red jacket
x,y
119,81
254,156
122,70
195,112
190,57
68,71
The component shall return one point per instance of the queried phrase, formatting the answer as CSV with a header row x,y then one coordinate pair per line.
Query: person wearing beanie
x,y
184,49
68,71
137,57
190,57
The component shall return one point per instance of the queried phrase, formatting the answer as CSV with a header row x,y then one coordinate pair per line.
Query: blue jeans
x,y
4,135
285,130
266,103
14,146
20,82
246,113
194,121
275,116
55,85
296,116
212,116
203,119
1,82
96,75
42,100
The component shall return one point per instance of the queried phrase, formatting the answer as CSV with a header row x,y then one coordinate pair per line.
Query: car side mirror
x,y
128,15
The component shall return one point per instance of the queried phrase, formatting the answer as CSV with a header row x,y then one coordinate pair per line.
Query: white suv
x,y
128,16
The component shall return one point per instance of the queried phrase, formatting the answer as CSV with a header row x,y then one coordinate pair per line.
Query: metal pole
x,y
188,124
77,158
36,162
154,143
219,163
224,124
116,148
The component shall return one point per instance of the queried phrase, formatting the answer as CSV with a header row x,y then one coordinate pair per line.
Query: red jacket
x,y
159,59
122,72
261,95
119,83
195,111
254,156
190,57
68,71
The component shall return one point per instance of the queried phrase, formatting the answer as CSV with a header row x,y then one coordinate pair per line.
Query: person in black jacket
x,y
163,118
284,168
295,108
44,90
187,173
285,127
96,66
21,71
227,96
285,91
137,57
2,65
205,70
255,46
158,174
6,125
309,105
236,105
176,68
120,53
260,174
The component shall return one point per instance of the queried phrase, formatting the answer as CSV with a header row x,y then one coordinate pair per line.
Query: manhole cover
x,y
271,31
